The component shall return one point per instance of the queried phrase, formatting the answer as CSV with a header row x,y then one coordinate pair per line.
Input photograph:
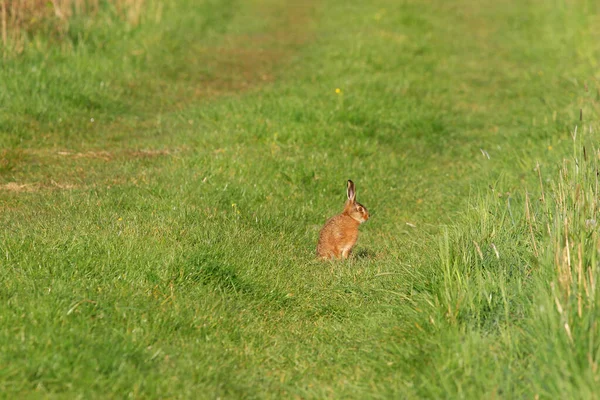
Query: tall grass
x,y
23,19
521,274
566,332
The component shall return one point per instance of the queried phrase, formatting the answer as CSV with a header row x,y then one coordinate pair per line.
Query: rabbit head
x,y
353,208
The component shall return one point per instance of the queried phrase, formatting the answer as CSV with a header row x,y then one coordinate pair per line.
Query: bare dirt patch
x,y
102,155
17,187
57,169
112,155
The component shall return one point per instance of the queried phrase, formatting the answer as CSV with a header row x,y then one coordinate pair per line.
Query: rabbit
x,y
340,233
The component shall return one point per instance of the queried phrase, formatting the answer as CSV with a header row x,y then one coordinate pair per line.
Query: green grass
x,y
162,189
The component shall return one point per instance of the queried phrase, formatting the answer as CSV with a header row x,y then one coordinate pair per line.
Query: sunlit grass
x,y
162,189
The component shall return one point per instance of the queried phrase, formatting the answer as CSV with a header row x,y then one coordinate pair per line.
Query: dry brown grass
x,y
22,18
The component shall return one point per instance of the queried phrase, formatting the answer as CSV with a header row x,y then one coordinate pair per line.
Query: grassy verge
x,y
161,191
519,289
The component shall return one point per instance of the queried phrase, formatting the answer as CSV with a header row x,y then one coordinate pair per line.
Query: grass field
x,y
162,186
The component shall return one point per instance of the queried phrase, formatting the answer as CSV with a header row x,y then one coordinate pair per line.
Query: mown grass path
x,y
161,192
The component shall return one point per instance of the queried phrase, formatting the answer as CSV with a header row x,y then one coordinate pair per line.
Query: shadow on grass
x,y
211,270
363,254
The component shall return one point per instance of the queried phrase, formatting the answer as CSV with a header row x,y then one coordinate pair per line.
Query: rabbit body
x,y
340,233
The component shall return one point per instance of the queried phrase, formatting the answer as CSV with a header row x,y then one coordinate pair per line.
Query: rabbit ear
x,y
351,191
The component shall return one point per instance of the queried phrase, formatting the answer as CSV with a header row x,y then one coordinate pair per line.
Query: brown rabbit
x,y
339,234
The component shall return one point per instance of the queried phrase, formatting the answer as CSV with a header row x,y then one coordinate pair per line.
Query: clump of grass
x,y
23,19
